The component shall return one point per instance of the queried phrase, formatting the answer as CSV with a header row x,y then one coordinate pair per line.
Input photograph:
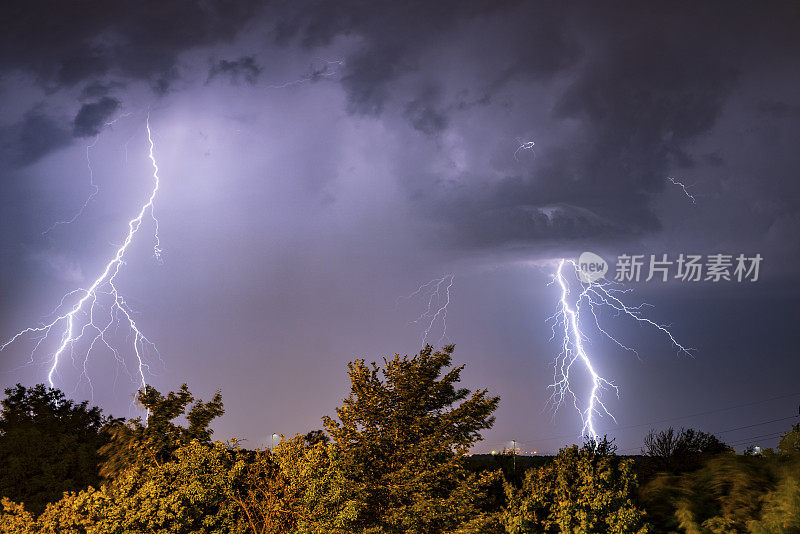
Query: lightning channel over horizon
x,y
91,319
576,316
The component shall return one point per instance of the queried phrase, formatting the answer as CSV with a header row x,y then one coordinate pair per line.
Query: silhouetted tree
x,y
48,445
790,442
681,451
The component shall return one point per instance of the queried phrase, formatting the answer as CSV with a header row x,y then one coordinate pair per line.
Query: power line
x,y
762,436
754,403
757,424
742,441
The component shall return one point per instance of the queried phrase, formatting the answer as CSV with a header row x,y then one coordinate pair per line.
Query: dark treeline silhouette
x,y
393,460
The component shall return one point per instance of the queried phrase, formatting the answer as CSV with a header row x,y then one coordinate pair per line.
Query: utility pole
x,y
514,455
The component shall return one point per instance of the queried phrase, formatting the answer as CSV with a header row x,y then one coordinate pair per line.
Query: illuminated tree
x,y
585,490
135,442
395,463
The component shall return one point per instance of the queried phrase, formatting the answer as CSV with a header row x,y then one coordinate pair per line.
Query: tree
x,y
677,452
48,445
167,479
264,494
316,436
730,493
723,496
790,442
587,490
395,463
191,493
155,442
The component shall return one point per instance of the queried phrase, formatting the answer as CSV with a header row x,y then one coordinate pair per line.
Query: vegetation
x,y
48,445
393,460
587,490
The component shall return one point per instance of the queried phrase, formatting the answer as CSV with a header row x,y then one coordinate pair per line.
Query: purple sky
x,y
320,160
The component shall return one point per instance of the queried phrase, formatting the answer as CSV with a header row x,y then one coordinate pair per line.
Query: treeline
x,y
392,461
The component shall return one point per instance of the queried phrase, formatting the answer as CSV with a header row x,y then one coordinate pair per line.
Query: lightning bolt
x,y
93,187
437,293
84,320
682,186
524,145
572,317
327,70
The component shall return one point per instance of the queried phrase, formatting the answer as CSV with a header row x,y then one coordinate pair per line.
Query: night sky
x,y
318,160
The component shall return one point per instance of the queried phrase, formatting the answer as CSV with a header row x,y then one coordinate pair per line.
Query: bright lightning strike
x,y
577,311
437,294
84,319
682,186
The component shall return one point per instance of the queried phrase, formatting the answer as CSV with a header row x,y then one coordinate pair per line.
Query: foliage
x,y
48,445
586,490
267,498
316,436
191,493
14,519
134,441
677,452
394,464
790,442
729,494
396,460
319,495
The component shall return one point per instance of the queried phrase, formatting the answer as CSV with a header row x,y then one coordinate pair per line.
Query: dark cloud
x,y
307,204
649,83
778,110
394,35
64,44
94,90
31,138
244,68
425,113
91,117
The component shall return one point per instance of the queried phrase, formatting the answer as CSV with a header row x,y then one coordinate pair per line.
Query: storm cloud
x,y
92,116
318,159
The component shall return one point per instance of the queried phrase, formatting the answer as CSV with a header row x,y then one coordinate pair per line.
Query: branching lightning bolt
x,y
570,320
93,186
682,186
437,293
327,70
83,319
92,194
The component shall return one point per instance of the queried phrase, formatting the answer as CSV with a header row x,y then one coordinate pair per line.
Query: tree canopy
x,y
399,441
135,441
48,445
